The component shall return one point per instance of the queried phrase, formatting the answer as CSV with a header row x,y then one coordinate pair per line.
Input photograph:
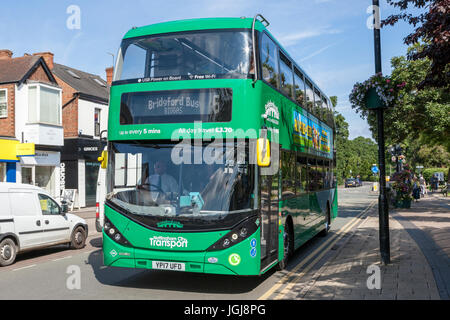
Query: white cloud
x,y
293,38
315,53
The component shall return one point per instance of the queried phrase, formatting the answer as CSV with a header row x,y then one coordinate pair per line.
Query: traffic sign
x,y
374,169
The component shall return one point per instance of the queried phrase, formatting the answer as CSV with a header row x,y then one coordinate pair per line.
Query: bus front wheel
x,y
288,241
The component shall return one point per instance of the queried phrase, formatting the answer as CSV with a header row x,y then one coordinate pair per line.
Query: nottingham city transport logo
x,y
169,242
271,112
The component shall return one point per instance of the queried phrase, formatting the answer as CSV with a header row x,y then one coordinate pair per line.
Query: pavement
x,y
420,258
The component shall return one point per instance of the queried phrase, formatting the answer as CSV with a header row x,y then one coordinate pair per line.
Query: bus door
x,y
269,219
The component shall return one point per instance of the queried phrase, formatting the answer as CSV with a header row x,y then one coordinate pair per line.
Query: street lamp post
x,y
383,208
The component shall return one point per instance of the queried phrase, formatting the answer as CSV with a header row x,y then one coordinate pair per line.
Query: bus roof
x,y
210,23
194,24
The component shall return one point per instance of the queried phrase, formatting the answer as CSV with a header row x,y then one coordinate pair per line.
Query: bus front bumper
x,y
240,259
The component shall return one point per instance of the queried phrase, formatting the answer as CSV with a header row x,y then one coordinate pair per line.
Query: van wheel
x,y
78,238
8,252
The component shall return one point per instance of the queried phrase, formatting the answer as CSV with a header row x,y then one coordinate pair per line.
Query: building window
x,y
3,103
97,122
44,105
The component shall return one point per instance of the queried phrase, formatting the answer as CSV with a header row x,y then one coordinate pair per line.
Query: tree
x,y
421,115
353,157
432,28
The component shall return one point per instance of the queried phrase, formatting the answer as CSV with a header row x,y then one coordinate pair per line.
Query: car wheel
x,y
8,252
78,238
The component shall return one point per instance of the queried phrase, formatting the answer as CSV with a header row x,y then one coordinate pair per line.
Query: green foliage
x,y
432,27
384,88
402,184
353,157
428,173
420,120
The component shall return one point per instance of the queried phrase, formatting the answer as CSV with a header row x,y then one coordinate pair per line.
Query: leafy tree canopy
x,y
432,27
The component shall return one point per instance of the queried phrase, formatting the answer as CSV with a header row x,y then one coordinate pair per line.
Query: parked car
x,y
350,182
30,219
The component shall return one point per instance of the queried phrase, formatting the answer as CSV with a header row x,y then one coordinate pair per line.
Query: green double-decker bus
x,y
220,150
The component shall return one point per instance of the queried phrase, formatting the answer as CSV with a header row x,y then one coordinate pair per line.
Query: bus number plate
x,y
165,265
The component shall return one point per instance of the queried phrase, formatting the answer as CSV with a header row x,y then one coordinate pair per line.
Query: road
x,y
52,273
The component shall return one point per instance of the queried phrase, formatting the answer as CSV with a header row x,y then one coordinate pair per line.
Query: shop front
x,y
11,151
42,170
79,168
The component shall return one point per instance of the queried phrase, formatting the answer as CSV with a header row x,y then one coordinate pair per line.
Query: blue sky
x,y
328,38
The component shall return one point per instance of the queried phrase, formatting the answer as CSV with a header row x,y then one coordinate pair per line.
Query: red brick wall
x,y
7,127
40,75
70,111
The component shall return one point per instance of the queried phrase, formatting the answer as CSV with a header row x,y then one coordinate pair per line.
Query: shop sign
x,y
47,158
25,149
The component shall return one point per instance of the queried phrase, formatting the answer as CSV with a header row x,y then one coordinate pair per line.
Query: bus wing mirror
x,y
103,159
263,152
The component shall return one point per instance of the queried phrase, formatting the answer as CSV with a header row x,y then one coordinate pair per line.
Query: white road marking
x,y
30,266
68,257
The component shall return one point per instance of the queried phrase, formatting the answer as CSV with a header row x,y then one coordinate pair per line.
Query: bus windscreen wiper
x,y
203,54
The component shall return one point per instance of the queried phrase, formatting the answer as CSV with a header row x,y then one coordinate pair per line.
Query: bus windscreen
x,y
185,56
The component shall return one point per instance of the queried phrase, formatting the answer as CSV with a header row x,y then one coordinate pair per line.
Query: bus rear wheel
x,y
326,230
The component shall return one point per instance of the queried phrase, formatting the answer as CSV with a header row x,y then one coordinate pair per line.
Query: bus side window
x,y
286,76
288,173
299,87
301,175
302,178
312,175
269,61
320,174
309,96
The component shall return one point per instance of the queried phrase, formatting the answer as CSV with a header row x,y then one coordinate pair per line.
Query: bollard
x,y
375,187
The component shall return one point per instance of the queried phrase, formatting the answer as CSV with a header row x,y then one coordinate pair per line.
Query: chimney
x,y
5,54
109,75
48,58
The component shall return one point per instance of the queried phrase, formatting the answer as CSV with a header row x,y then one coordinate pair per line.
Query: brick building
x,y
85,113
31,117
60,110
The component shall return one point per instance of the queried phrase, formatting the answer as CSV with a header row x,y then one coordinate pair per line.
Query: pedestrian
x,y
416,190
434,183
423,186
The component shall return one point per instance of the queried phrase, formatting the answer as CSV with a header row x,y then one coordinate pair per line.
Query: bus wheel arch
x,y
288,239
326,228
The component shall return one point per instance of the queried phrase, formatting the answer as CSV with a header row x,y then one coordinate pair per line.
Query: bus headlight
x,y
112,232
241,232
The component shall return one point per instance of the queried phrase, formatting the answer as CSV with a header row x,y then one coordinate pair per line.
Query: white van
x,y
31,219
